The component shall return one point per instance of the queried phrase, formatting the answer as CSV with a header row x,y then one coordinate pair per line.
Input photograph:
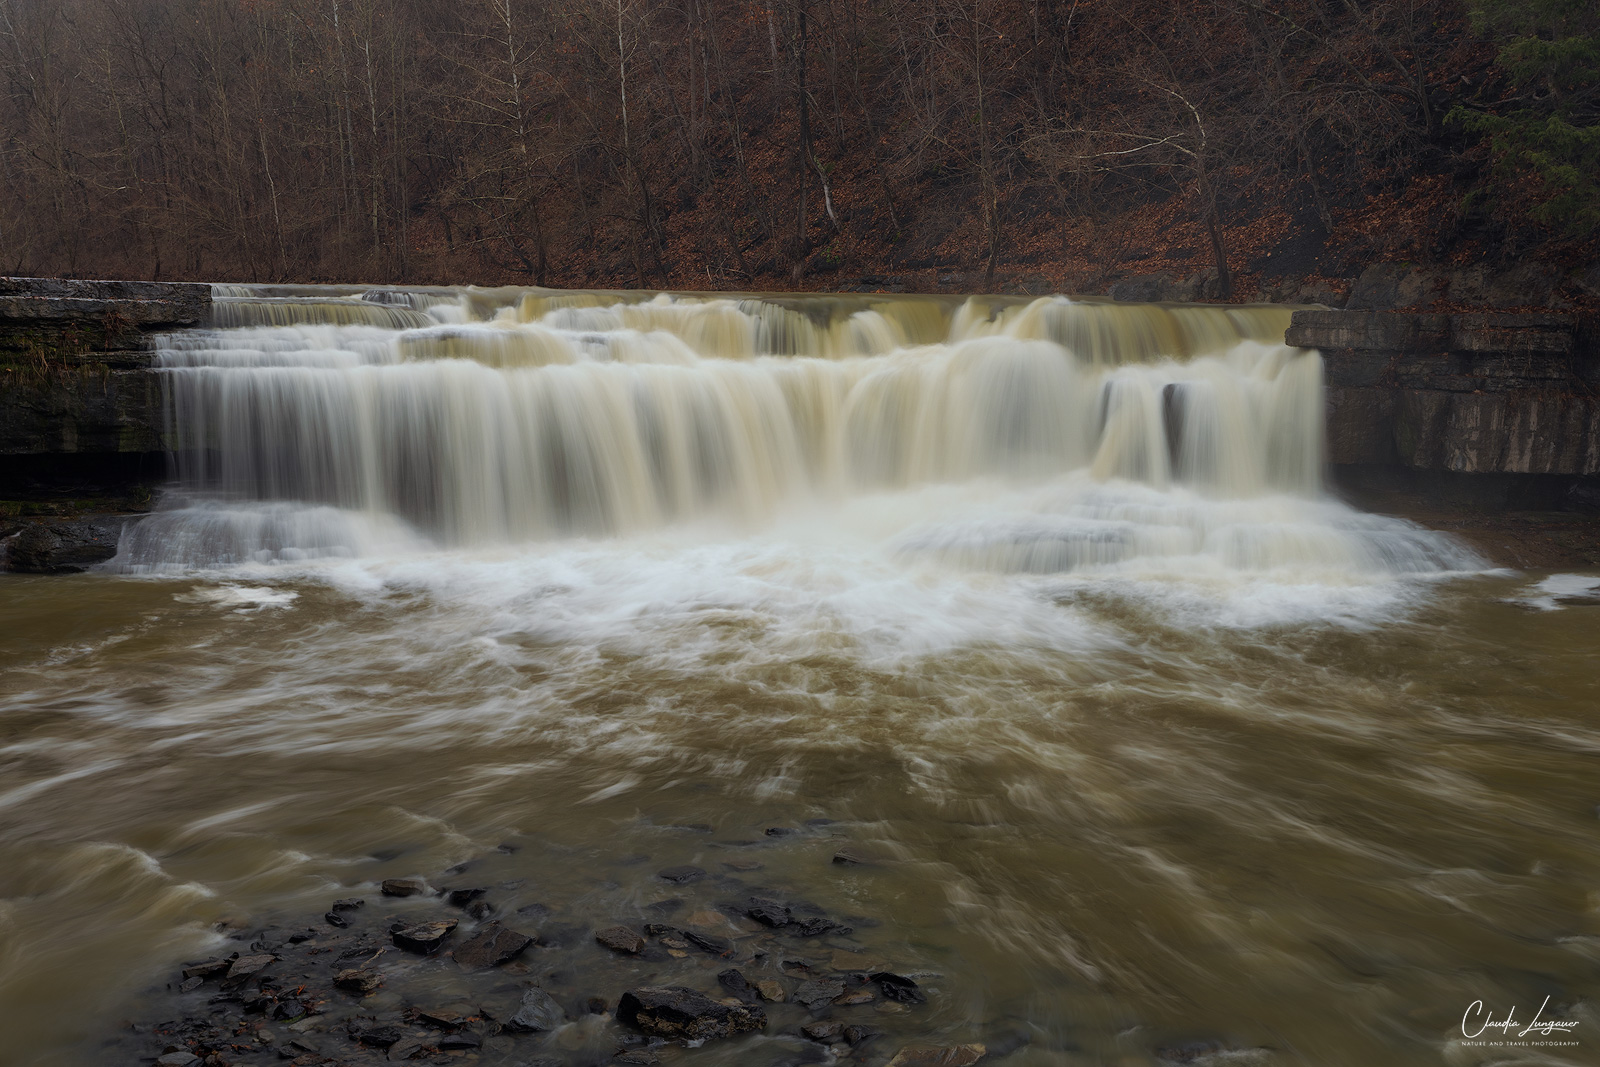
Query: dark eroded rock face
x,y
680,1013
63,546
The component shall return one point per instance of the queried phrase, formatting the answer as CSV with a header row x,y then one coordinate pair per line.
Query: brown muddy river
x,y
1158,753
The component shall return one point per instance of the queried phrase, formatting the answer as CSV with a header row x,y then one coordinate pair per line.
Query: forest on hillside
x,y
727,144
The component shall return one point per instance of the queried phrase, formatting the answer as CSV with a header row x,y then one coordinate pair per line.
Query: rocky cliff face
x,y
81,438
1460,394
78,407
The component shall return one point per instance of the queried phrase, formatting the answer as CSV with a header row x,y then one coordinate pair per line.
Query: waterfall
x,y
336,420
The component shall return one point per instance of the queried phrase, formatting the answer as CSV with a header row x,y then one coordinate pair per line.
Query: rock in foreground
x,y
681,1013
930,1056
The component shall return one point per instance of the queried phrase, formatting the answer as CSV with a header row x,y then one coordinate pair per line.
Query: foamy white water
x,y
919,436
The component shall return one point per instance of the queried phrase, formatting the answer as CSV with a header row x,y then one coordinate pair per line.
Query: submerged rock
x,y
379,1036
491,946
681,875
898,987
826,1031
404,887
734,981
620,939
818,991
685,1014
933,1056
717,946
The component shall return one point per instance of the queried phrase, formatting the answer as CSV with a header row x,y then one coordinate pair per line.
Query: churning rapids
x,y
1161,745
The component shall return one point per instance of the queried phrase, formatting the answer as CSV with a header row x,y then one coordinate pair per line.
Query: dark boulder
x,y
63,546
358,981
898,987
379,1036
537,1013
491,946
734,981
424,937
680,1013
404,887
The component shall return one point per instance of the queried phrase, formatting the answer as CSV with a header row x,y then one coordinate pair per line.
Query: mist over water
x,y
1043,601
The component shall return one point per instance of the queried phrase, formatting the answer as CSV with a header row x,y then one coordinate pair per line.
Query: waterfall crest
x,y
473,417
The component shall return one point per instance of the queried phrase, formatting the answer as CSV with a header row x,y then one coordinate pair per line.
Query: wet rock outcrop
x,y
61,546
1460,395
78,405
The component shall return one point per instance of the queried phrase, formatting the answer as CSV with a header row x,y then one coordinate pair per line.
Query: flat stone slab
x,y
141,304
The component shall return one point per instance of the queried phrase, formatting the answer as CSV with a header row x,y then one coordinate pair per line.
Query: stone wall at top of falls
x,y
74,375
1469,394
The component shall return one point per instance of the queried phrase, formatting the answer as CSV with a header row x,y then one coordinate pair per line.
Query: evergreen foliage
x,y
1550,49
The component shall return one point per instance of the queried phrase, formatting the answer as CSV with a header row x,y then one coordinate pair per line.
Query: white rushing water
x,y
921,438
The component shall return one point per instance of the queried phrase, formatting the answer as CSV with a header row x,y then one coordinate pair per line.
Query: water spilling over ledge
x,y
322,422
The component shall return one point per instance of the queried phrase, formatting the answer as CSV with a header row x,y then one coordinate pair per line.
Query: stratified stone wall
x,y
74,359
1478,394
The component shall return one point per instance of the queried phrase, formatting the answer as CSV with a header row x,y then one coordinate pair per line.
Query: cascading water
x,y
342,422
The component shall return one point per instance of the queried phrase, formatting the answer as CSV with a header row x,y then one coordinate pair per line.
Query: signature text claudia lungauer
x,y
1477,1020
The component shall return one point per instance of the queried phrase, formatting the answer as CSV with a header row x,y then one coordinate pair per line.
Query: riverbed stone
x,y
938,1056
680,1013
898,987
818,991
717,946
246,967
768,912
358,981
537,1013
405,1049
770,991
379,1036
404,887
825,1030
424,937
681,875
209,968
491,946
620,939
734,981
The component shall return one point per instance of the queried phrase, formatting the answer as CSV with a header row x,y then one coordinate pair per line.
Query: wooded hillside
x,y
799,143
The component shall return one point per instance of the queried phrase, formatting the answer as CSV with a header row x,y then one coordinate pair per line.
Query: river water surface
x,y
1156,746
